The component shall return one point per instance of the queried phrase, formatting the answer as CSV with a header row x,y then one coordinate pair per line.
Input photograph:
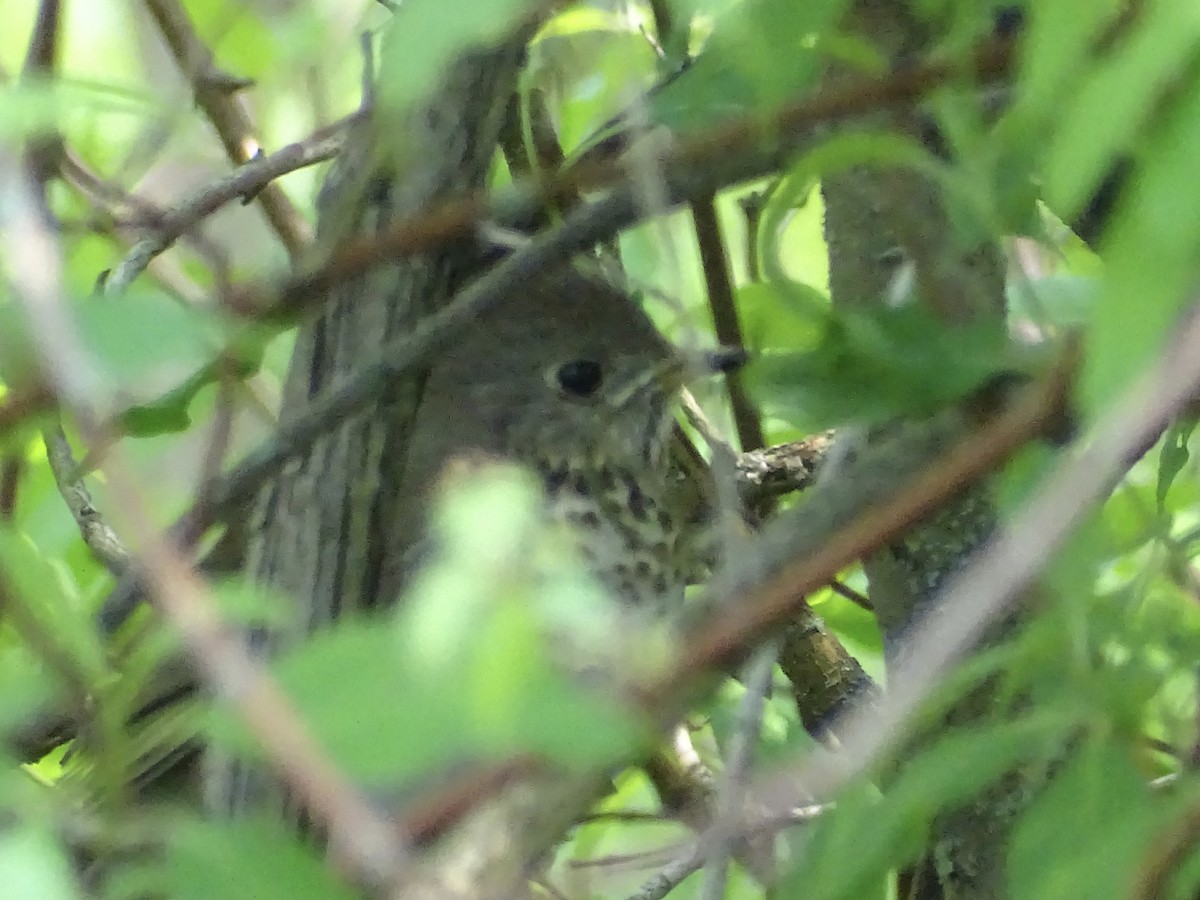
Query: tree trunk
x,y
315,538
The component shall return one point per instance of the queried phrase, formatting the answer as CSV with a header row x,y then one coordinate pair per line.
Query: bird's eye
x,y
579,377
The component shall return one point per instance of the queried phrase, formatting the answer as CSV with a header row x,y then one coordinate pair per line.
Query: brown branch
x,y
104,543
360,839
248,180
11,468
40,57
216,94
698,165
768,473
739,625
21,406
719,282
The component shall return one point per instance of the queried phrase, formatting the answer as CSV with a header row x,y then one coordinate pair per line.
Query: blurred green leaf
x,y
421,40
775,319
1151,249
465,666
1100,801
48,600
879,363
759,55
1173,457
33,864
880,832
1112,106
222,860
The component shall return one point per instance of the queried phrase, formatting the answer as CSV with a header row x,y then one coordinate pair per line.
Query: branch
x,y
717,279
671,876
360,839
215,93
771,472
988,587
738,151
247,181
127,209
802,551
99,537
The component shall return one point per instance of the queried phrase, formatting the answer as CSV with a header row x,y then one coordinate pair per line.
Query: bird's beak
x,y
686,366
724,359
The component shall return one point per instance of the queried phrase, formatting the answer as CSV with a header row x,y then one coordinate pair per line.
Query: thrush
x,y
571,379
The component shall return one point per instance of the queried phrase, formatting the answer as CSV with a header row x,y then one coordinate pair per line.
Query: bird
x,y
570,378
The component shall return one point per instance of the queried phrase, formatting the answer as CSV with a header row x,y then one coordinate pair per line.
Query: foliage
x,y
1100,689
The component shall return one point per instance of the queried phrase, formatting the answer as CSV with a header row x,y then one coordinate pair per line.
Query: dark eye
x,y
579,377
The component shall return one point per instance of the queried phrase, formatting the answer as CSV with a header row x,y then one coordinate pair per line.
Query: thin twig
x,y
97,534
720,838
993,582
719,283
11,468
850,594
360,839
216,94
127,210
249,179
741,150
673,875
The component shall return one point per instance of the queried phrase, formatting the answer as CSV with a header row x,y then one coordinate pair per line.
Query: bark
x,y
315,537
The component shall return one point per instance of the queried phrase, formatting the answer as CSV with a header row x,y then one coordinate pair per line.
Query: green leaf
x,y
468,664
1112,106
1172,458
759,55
422,40
878,833
34,865
1100,801
775,318
879,363
246,858
51,602
1151,249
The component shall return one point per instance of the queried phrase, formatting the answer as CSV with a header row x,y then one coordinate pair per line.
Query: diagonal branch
x,y
246,181
215,93
360,839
